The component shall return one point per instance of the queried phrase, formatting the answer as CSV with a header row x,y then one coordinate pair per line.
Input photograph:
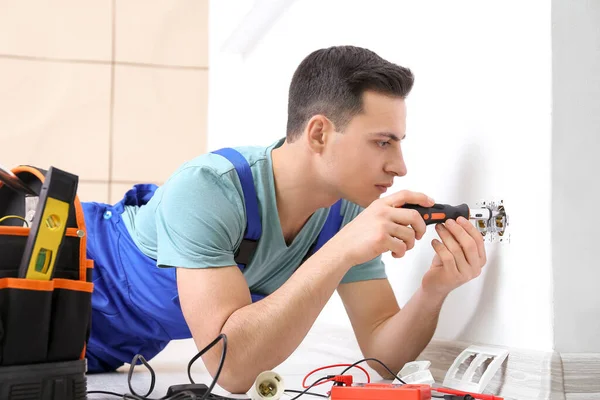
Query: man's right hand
x,y
383,226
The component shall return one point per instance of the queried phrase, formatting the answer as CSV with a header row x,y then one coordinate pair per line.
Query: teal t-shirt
x,y
197,219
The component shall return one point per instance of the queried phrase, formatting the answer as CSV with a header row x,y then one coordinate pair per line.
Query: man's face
x,y
363,160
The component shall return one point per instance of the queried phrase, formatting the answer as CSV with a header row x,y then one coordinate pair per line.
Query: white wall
x,y
575,144
478,127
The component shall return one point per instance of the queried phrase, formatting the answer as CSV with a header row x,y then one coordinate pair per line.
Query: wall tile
x,y
162,32
159,121
55,114
70,29
93,192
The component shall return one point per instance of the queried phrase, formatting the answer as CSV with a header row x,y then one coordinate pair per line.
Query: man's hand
x,y
383,226
459,258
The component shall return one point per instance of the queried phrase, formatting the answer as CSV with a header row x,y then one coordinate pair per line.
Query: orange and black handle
x,y
439,213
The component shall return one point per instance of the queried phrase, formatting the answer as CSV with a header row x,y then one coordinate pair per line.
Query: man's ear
x,y
318,131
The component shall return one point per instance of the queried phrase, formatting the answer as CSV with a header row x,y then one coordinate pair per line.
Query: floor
x,y
324,345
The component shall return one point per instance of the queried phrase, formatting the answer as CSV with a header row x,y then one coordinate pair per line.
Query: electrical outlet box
x,y
474,368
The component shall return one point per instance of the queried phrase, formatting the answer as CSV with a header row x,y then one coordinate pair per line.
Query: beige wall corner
x,y
104,91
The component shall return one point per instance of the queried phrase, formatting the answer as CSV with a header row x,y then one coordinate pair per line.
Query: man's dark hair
x,y
332,81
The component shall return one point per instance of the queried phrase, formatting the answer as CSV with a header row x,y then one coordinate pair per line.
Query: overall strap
x,y
253,231
331,227
253,224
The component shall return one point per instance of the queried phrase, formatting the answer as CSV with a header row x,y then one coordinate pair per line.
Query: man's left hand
x,y
459,258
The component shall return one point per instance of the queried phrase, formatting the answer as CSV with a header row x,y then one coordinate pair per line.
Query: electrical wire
x,y
14,216
191,396
183,395
223,337
328,378
309,393
130,376
334,366
377,361
305,391
105,392
325,379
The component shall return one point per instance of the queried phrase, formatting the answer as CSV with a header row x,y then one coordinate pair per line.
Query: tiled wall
x,y
114,91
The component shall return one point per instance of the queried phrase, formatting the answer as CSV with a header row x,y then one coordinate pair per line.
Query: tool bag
x,y
44,324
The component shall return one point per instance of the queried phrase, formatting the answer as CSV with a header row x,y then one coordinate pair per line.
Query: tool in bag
x,y
48,229
45,296
8,178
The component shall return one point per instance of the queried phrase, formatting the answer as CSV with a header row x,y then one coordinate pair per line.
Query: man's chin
x,y
366,202
362,200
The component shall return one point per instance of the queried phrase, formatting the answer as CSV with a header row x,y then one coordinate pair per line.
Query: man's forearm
x,y
402,337
262,335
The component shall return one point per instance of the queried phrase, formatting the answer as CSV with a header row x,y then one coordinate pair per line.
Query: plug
x,y
269,385
197,389
343,380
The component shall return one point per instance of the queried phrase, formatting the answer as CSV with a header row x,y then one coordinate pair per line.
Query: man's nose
x,y
397,166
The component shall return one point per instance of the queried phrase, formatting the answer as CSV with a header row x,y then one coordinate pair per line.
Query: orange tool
x,y
381,391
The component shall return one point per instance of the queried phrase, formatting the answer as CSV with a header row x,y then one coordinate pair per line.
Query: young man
x,y
166,258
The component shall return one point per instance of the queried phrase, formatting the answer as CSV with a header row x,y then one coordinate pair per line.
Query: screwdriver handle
x,y
440,212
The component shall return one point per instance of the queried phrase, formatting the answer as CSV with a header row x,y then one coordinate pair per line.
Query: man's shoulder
x,y
218,165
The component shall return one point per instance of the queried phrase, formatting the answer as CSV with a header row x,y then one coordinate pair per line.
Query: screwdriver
x,y
439,213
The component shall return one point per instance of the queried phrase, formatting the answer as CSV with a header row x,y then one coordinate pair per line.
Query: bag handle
x,y
14,203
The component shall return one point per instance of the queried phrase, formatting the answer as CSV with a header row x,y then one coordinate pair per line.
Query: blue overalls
x,y
135,304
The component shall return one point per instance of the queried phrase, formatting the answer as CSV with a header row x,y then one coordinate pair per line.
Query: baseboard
x,y
529,374
581,375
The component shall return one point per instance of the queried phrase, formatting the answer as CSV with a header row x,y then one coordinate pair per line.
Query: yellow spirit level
x,y
49,225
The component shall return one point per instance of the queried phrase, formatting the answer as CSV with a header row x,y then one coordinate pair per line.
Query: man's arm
x,y
398,336
263,334
260,335
385,332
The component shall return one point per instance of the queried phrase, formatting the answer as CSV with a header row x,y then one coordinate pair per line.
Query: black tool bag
x,y
44,324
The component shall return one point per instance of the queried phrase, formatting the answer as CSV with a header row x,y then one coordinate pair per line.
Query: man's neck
x,y
298,188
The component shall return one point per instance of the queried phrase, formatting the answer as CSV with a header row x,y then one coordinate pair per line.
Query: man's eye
x,y
383,144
